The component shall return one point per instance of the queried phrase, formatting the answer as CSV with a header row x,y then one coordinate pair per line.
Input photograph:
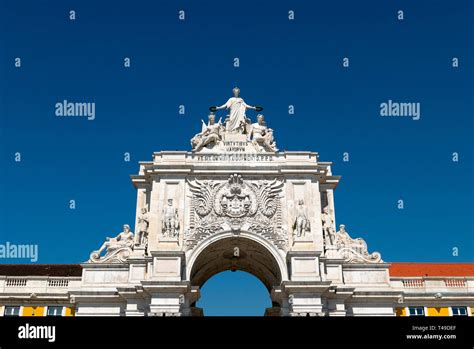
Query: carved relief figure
x,y
170,224
262,136
118,248
237,119
141,236
301,224
210,134
328,230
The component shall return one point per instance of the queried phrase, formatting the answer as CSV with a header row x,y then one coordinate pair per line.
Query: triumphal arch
x,y
233,201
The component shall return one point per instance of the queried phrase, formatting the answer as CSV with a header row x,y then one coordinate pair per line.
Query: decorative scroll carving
x,y
354,250
118,248
236,204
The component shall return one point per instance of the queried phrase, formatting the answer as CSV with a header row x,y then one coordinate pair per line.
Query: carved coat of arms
x,y
236,204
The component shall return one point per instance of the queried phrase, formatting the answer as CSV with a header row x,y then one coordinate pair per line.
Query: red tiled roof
x,y
41,269
431,269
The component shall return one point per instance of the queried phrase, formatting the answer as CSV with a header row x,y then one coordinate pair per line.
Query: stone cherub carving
x,y
328,230
237,119
141,236
210,134
301,224
118,248
170,226
262,136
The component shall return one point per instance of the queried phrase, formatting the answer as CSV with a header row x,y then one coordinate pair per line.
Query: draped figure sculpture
x,y
237,119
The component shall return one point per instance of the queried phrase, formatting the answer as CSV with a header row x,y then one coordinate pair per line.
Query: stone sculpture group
x,y
236,122
236,203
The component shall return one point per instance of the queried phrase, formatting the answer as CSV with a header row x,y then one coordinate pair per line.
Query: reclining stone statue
x,y
117,249
211,134
354,250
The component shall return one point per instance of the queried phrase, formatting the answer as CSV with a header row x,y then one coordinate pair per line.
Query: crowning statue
x,y
118,248
237,118
236,123
301,224
141,236
170,226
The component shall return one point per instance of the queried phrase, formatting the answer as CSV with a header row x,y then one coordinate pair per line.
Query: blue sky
x,y
282,63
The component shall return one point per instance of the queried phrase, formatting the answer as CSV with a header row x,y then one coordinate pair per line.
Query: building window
x,y
55,311
12,311
459,311
416,311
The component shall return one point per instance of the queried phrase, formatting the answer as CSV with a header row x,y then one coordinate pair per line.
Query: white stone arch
x,y
278,255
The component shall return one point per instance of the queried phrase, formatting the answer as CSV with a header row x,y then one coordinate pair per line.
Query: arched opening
x,y
235,254
234,294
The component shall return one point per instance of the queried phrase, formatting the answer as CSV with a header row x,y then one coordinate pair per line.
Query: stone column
x,y
335,300
166,286
136,300
316,223
280,303
305,288
305,298
330,196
